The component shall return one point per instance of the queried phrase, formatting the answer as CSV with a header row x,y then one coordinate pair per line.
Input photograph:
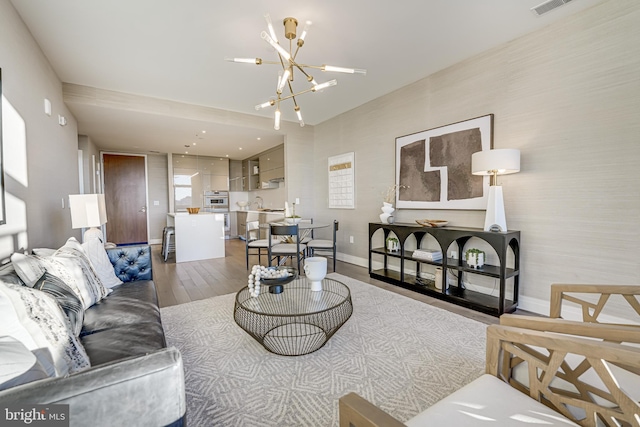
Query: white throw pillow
x,y
17,364
36,320
71,264
98,256
28,268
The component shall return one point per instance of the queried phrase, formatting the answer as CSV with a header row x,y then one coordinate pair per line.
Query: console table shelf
x,y
501,242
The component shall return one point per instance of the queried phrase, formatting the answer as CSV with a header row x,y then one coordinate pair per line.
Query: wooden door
x,y
125,189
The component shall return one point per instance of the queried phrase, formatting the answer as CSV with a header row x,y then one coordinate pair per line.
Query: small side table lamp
x,y
88,211
493,163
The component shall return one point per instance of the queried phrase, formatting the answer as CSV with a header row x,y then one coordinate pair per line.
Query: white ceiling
x,y
175,50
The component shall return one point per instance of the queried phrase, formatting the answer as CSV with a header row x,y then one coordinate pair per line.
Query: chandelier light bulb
x,y
305,30
283,80
265,105
270,27
256,61
276,125
299,114
325,85
275,45
343,70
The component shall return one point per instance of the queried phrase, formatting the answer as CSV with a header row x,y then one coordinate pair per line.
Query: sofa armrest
x,y
591,311
131,263
141,391
356,411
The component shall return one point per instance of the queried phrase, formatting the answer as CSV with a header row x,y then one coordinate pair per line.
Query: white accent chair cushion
x,y
488,401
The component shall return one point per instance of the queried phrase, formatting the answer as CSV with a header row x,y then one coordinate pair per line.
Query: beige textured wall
x,y
40,156
567,96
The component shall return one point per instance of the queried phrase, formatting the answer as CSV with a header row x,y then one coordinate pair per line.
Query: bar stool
x,y
168,241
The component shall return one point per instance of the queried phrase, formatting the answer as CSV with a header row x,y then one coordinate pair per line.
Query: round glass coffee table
x,y
296,321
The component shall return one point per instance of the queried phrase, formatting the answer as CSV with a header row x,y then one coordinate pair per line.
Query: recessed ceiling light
x,y
239,148
186,152
204,131
194,143
227,155
258,138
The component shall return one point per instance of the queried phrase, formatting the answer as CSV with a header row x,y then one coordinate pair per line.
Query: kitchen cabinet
x,y
250,175
241,223
272,167
235,175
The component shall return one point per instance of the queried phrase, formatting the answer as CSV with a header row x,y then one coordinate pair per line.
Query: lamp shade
x,y
87,210
499,162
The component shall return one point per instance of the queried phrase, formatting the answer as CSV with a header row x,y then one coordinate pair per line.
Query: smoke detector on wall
x,y
548,6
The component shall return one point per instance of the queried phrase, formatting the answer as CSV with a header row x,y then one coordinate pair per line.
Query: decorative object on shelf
x,y
474,258
243,204
432,222
387,209
88,211
291,217
315,268
493,163
274,276
389,196
428,163
393,244
289,64
438,278
428,254
193,211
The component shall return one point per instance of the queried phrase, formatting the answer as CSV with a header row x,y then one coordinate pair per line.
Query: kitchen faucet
x,y
259,202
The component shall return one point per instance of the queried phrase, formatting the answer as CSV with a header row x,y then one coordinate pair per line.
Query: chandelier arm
x,y
296,94
299,67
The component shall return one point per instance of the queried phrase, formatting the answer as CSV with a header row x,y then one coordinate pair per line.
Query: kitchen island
x,y
198,236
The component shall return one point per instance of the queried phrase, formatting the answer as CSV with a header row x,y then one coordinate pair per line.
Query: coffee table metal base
x,y
297,321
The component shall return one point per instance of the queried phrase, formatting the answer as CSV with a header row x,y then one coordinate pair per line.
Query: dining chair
x,y
306,235
325,245
278,248
257,244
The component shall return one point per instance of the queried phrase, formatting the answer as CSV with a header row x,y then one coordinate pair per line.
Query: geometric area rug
x,y
399,353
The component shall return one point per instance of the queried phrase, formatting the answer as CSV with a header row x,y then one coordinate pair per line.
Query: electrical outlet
x,y
350,239
297,200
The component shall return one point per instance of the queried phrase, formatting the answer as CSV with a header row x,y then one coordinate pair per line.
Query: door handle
x,y
143,209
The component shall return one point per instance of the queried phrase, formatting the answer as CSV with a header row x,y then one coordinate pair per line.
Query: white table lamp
x,y
88,211
493,163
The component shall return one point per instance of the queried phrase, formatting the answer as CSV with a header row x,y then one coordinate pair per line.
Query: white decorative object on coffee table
x,y
315,268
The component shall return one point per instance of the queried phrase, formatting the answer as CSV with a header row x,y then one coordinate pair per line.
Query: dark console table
x,y
501,242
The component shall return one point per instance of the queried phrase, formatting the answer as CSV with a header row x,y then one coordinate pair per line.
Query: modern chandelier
x,y
287,59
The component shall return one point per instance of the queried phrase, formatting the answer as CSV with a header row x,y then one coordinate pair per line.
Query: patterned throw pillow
x,y
66,298
28,268
71,264
96,253
36,320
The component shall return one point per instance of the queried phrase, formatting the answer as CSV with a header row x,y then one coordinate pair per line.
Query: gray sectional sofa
x,y
134,379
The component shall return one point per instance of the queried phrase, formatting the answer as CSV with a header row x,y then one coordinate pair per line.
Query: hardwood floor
x,y
192,281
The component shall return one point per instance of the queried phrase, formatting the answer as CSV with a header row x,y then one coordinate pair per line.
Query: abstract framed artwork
x,y
433,167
